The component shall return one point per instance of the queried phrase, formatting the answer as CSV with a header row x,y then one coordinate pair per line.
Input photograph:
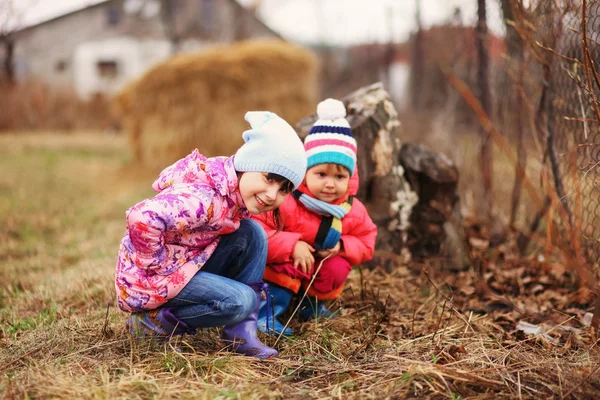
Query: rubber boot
x,y
242,335
311,308
278,300
159,323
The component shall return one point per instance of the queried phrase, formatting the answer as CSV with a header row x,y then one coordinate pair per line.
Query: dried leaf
x,y
479,244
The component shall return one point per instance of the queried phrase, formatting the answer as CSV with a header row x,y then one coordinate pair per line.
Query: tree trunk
x,y
417,62
8,74
169,23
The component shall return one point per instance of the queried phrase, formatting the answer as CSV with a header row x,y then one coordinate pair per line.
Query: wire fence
x,y
548,107
547,104
574,125
544,84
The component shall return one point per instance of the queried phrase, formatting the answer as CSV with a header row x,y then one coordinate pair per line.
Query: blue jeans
x,y
218,294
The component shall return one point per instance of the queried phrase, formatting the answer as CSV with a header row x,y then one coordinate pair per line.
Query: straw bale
x,y
199,99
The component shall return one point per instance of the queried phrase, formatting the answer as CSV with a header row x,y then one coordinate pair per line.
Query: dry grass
x,y
412,333
35,105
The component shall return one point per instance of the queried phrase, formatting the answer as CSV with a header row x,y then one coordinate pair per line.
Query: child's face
x,y
261,194
327,182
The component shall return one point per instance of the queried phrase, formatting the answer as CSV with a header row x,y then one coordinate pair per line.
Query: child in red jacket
x,y
321,219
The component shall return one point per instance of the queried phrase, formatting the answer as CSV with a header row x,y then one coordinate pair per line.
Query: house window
x,y
152,8
133,6
60,66
107,69
112,16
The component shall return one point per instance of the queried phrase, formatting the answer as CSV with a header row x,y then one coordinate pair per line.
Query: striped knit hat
x,y
330,139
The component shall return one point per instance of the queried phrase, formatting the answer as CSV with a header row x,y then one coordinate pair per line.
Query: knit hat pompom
x,y
330,140
331,109
272,145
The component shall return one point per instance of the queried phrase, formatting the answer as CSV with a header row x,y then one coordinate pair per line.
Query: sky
x,y
333,22
356,21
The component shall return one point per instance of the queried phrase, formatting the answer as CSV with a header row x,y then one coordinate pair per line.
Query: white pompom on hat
x,y
332,109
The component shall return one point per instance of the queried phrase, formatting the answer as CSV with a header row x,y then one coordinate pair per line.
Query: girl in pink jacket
x,y
321,219
191,257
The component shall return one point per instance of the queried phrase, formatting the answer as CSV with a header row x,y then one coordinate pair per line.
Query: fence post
x,y
486,103
512,11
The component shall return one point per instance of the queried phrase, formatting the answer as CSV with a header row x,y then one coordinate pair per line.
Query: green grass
x,y
63,199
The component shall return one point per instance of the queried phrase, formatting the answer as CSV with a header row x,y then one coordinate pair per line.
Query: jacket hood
x,y
217,172
352,187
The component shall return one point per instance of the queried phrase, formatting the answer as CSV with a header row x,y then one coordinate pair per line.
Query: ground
x,y
412,332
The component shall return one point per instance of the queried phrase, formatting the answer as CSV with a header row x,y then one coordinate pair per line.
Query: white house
x,y
96,49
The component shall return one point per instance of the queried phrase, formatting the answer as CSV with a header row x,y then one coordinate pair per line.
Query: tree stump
x,y
435,222
383,189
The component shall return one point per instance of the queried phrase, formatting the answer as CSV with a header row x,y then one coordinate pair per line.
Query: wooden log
x,y
435,222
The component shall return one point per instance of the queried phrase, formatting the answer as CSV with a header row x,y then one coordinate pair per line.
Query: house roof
x,y
65,15
104,2
260,21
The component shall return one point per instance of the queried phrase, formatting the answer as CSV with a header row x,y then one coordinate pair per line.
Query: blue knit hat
x,y
272,145
330,139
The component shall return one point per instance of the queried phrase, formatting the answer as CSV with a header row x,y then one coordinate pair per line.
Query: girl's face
x,y
260,192
327,182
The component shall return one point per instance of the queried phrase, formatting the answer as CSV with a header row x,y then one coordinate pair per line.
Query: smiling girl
x,y
191,257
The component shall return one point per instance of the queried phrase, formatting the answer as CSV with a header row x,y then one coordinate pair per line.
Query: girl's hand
x,y
303,257
333,252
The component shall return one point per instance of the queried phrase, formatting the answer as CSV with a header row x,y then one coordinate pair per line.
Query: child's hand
x,y
303,257
333,252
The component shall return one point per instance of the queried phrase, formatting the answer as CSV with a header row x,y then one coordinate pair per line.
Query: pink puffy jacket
x,y
171,235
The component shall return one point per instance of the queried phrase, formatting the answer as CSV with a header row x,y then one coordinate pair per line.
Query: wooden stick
x,y
303,296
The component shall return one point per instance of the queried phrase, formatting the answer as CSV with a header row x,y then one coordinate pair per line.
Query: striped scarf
x,y
330,229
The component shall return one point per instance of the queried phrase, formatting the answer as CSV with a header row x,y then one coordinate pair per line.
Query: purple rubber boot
x,y
160,322
242,335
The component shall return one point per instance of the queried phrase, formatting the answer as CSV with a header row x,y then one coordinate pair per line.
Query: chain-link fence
x,y
546,105
544,83
573,117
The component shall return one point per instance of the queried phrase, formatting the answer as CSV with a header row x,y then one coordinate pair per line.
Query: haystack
x,y
198,100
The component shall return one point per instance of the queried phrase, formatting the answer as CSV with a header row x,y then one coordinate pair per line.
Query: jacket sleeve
x,y
359,242
282,243
148,221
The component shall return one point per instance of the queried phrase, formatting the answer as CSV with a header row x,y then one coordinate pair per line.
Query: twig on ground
x,y
302,299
